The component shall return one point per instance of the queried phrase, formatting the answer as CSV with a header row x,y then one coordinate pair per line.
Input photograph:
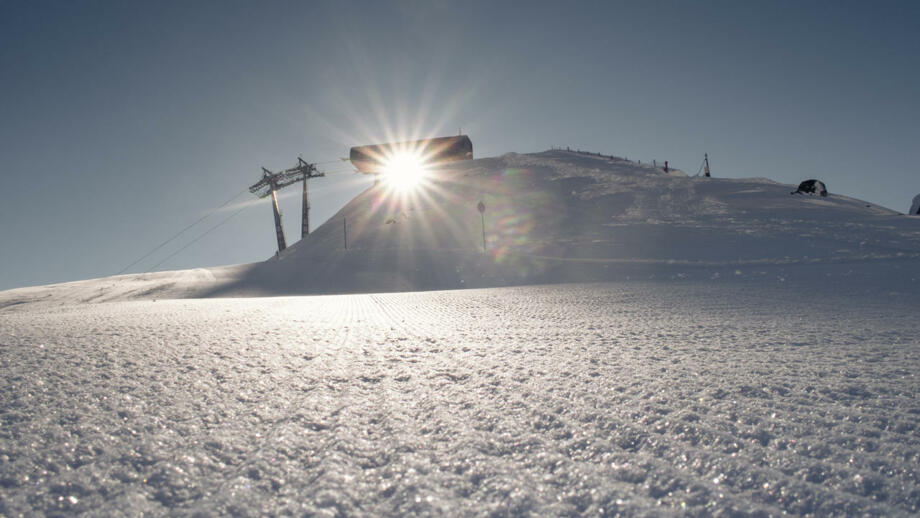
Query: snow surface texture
x,y
732,350
598,399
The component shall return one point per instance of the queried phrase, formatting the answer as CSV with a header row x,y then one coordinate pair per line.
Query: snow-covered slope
x,y
561,216
631,398
760,360
552,217
144,286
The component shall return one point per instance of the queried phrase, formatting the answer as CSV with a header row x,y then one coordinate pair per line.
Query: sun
x,y
405,171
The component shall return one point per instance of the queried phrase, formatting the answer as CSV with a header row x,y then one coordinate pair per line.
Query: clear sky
x,y
121,123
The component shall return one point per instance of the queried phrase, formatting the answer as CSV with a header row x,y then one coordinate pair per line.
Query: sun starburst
x,y
405,171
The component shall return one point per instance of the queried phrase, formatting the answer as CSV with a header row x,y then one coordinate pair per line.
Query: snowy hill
x,y
562,216
552,217
750,353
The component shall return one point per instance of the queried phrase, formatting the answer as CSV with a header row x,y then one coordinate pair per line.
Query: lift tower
x,y
272,182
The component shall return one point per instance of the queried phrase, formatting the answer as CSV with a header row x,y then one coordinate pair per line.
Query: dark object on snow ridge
x,y
915,206
811,187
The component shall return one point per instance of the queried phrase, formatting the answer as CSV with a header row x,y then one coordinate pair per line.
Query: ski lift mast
x,y
270,184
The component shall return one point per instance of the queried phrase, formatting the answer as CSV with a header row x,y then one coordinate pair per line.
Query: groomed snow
x,y
635,398
730,350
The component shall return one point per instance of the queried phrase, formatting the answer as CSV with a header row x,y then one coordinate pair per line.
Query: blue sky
x,y
123,122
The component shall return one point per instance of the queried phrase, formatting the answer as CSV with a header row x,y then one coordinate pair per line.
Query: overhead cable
x,y
206,232
184,230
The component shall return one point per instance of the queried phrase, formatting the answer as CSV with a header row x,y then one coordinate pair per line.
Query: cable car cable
x,y
209,214
206,232
184,230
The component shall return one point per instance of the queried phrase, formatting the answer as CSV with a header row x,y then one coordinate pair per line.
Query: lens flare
x,y
405,171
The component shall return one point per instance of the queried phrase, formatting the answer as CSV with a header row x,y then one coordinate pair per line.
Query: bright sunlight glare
x,y
404,171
